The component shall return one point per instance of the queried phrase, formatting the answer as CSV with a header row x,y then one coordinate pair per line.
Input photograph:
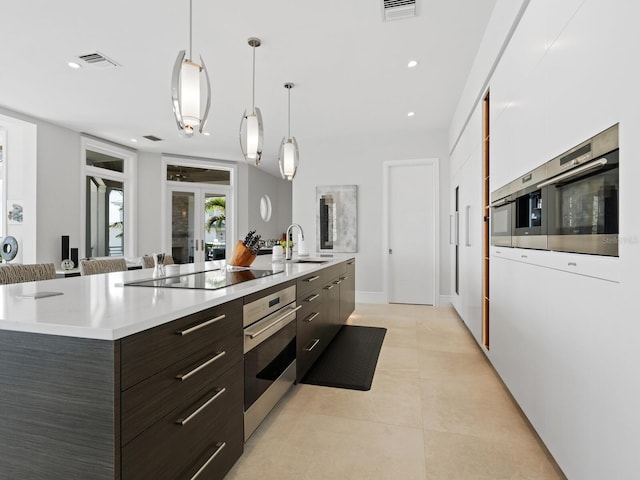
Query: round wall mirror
x,y
265,208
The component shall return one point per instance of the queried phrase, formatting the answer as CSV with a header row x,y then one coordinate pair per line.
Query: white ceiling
x,y
349,67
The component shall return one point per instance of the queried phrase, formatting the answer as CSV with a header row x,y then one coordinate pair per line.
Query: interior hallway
x,y
436,410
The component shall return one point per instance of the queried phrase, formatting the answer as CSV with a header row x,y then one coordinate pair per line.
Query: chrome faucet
x,y
288,252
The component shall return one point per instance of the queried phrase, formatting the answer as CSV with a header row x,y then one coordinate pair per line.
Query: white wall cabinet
x,y
467,179
564,327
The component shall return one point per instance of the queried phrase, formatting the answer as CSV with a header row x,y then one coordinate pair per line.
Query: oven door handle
x,y
251,334
501,202
576,171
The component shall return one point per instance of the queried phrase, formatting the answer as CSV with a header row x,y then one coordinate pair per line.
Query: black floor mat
x,y
350,359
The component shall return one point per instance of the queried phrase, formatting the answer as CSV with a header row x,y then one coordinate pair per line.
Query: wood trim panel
x,y
57,415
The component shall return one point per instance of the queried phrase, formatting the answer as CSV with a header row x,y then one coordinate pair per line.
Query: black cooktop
x,y
207,280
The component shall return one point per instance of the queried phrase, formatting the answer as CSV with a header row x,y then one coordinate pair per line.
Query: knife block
x,y
241,256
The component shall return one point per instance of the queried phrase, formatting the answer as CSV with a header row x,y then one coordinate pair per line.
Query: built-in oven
x,y
582,197
500,217
529,222
269,352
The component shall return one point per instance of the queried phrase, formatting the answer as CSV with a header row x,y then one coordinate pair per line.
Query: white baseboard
x,y
444,301
371,297
381,297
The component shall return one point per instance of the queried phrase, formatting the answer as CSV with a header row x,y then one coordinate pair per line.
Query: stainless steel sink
x,y
310,260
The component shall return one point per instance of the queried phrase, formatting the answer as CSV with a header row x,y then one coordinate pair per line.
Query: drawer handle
x,y
315,342
351,262
219,447
184,376
329,287
312,317
185,420
200,325
311,279
337,282
312,297
343,278
275,322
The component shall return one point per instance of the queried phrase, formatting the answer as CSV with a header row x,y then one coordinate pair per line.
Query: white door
x,y
197,224
412,231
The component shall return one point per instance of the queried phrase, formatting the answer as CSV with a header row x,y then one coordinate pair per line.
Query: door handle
x,y
390,251
468,222
451,233
457,225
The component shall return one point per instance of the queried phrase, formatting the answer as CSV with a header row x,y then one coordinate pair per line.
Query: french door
x,y
198,223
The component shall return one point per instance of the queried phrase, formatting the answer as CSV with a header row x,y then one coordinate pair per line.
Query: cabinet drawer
x,y
310,282
220,457
308,351
179,384
148,352
311,301
180,440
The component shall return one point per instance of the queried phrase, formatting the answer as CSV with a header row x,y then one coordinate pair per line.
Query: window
x,y
108,205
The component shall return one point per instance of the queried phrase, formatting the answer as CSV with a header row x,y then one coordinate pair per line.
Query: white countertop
x,y
100,307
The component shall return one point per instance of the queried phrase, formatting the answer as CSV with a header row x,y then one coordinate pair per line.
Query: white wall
x,y
150,202
279,191
566,344
44,166
357,160
47,179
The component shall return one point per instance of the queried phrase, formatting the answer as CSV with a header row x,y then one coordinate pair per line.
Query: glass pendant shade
x,y
289,155
190,85
289,158
251,131
187,94
251,135
190,94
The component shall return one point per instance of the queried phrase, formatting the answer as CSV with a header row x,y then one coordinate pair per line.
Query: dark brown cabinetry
x,y
309,342
165,403
348,291
182,397
326,297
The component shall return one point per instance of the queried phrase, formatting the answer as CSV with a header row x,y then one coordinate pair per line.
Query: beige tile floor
x,y
436,410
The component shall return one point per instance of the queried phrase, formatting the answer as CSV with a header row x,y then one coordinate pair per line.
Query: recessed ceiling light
x,y
206,134
134,140
412,64
411,114
73,64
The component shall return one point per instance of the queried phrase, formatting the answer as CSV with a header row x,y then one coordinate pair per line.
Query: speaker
x,y
74,257
65,247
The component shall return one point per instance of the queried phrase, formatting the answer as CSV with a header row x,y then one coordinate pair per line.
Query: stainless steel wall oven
x,y
582,197
501,216
569,204
269,353
529,210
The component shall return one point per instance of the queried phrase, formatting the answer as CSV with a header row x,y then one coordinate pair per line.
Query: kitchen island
x,y
107,381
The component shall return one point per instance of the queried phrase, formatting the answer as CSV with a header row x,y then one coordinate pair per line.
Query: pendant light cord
x,y
253,92
190,29
289,127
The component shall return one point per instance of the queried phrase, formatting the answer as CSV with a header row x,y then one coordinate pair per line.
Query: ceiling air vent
x,y
153,138
98,60
398,9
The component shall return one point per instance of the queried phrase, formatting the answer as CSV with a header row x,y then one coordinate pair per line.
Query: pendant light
x,y
251,125
186,89
289,156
